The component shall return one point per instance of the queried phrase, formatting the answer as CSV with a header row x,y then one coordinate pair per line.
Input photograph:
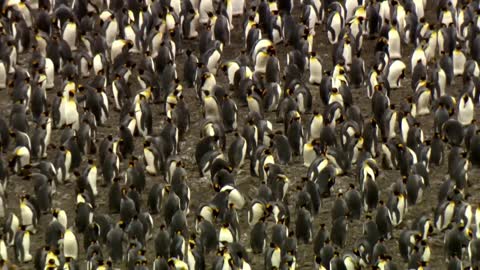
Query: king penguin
x,y
70,244
315,68
466,110
237,151
22,246
459,59
396,72
334,26
28,214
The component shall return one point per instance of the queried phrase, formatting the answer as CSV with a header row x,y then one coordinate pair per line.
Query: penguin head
x,y
22,228
121,224
318,260
216,187
171,263
146,144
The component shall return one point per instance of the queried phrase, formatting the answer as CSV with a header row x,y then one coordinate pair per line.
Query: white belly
x,y
231,73
213,62
424,104
111,32
97,63
394,45
459,60
71,115
26,247
116,49
92,180
3,75
150,160
70,36
13,60
70,245
309,155
84,68
50,73
68,163
466,112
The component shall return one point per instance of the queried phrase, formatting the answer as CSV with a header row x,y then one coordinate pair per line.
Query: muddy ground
x,y
201,190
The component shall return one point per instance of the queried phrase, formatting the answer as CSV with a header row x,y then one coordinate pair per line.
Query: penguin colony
x,y
133,137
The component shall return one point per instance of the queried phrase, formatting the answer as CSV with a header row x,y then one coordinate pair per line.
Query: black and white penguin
x,y
22,245
229,113
282,148
338,234
465,109
11,226
456,239
69,114
29,215
453,132
357,71
395,72
316,69
444,214
459,59
423,99
436,149
295,134
21,158
70,244
258,236
353,200
334,26
370,194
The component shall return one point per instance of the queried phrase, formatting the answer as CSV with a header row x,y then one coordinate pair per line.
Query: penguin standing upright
x,y
70,34
357,71
211,107
422,100
295,134
394,42
69,111
315,68
334,26
11,226
237,151
20,159
115,242
70,244
465,110
22,246
229,114
190,69
28,214
90,174
3,75
395,73
459,59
